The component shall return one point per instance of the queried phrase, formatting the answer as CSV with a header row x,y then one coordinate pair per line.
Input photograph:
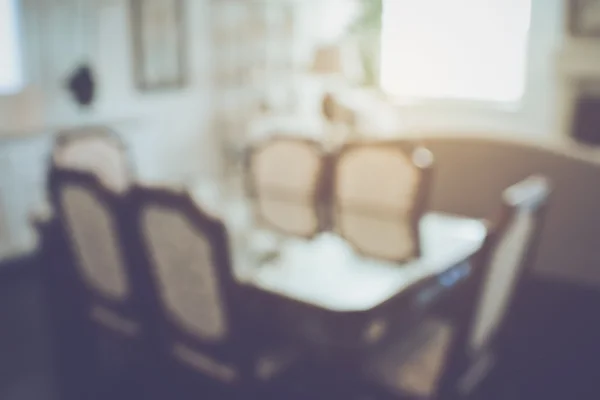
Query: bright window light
x,y
11,74
455,49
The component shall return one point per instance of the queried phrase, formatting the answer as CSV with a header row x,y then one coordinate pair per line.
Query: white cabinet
x,y
22,187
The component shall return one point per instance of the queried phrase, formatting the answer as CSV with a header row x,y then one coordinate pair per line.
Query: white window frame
x,y
460,104
10,9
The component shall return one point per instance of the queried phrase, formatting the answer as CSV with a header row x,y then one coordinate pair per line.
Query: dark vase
x,y
82,86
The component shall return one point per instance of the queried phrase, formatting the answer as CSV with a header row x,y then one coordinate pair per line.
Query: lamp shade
x,y
327,60
341,59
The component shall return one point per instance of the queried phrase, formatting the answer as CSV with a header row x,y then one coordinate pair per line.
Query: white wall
x,y
172,122
167,132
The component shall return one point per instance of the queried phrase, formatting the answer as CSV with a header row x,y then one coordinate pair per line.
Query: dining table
x,y
322,292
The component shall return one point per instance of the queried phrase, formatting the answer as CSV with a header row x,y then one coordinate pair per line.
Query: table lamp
x,y
328,61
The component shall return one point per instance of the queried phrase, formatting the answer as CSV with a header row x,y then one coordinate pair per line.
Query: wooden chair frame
x,y
529,195
129,341
320,196
66,138
241,344
424,166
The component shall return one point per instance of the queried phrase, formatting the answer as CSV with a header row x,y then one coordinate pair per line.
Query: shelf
x,y
43,130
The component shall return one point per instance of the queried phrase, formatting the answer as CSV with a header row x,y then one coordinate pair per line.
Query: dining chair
x,y
97,150
380,192
205,334
526,203
447,358
97,302
286,183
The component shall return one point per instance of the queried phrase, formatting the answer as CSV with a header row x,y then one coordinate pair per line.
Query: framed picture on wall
x,y
159,44
584,18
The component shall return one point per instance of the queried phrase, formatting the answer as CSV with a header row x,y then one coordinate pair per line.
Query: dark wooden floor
x,y
553,351
25,341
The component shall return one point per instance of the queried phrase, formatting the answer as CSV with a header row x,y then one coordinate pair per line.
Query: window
x,y
11,76
455,49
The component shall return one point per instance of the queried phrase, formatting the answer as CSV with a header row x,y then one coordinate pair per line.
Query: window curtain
x,y
11,74
366,29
